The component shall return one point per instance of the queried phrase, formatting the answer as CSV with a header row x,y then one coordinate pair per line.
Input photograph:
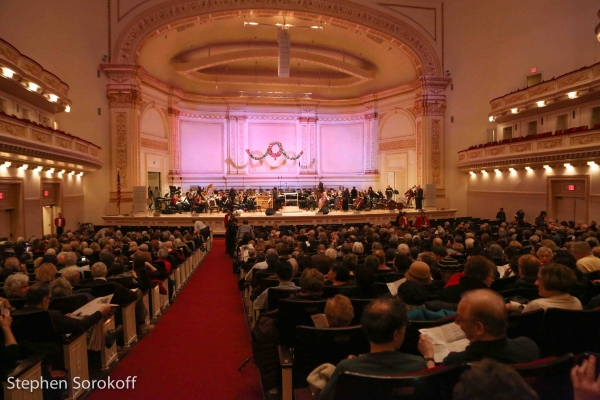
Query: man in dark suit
x,y
501,216
38,298
122,296
419,198
353,193
232,194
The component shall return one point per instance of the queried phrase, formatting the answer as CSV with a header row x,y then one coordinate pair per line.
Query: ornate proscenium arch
x,y
167,16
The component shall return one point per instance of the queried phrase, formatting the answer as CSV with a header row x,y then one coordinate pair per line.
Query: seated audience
x,y
554,283
482,316
339,311
338,275
384,321
16,285
528,272
479,274
419,272
285,272
312,283
586,262
46,273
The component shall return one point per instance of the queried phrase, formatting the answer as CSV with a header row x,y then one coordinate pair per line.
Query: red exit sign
x,y
46,194
571,187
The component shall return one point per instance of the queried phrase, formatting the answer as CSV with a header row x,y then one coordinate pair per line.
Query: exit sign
x,y
533,70
46,193
571,187
1,195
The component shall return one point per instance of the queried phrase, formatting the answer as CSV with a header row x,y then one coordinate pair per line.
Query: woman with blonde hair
x,y
46,273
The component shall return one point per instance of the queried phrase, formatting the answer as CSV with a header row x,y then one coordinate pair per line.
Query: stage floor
x,y
216,220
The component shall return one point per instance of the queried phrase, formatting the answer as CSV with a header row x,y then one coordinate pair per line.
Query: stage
x,y
215,220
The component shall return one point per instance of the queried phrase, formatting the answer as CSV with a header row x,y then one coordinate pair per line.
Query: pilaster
x,y
429,111
308,133
371,129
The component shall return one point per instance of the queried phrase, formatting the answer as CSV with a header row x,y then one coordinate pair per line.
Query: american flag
x,y
118,189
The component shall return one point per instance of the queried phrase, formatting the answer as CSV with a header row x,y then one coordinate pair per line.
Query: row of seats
x,y
38,328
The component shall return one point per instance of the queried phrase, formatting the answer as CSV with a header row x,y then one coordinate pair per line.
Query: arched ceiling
x,y
224,57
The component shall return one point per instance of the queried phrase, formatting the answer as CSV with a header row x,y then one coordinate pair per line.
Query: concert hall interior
x,y
146,113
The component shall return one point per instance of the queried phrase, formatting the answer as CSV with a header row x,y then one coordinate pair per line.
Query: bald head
x,y
487,307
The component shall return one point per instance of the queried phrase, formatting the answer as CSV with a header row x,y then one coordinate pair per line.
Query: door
x,y
570,208
47,220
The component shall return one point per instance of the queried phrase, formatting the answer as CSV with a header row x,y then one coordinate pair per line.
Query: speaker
x,y
270,211
283,66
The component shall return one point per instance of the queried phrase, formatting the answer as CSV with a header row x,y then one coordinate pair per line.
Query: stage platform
x,y
215,220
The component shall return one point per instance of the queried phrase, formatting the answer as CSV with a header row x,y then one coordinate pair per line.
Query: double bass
x,y
359,202
322,201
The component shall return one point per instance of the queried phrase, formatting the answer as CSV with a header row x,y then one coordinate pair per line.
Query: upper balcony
x,y
26,142
574,144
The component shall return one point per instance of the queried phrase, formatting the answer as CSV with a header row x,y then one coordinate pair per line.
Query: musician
x,y
276,202
346,197
520,217
422,221
419,198
323,200
232,194
501,216
402,221
353,193
389,192
175,202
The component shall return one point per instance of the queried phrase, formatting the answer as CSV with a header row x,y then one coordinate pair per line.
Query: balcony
x,y
26,142
575,144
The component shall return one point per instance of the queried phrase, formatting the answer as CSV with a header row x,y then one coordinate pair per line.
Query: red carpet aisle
x,y
196,348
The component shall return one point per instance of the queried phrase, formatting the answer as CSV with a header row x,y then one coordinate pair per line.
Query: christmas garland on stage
x,y
269,152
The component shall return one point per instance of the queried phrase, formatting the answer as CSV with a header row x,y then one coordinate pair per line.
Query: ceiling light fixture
x,y
484,172
80,174
567,165
51,170
53,98
38,169
497,171
32,86
547,168
472,173
541,103
514,110
62,171
511,170
23,167
528,169
572,95
71,173
492,119
6,164
68,109
591,163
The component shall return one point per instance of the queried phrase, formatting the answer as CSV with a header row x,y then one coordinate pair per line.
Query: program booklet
x,y
393,286
446,339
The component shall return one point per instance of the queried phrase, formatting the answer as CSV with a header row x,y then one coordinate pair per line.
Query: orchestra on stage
x,y
208,199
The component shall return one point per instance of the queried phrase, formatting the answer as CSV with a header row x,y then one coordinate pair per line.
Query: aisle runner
x,y
196,348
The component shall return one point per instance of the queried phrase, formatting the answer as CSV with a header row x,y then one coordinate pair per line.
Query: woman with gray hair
x,y
16,285
60,287
544,254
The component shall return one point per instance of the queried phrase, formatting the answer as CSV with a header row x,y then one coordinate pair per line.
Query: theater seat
x,y
435,383
549,377
569,331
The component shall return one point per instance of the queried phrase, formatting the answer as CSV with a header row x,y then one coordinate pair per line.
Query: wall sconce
x,y
80,174
472,173
68,109
591,163
7,72
51,170
53,98
547,168
6,164
61,172
511,170
492,118
572,95
484,172
38,169
528,169
32,86
567,165
514,110
541,103
497,171
23,167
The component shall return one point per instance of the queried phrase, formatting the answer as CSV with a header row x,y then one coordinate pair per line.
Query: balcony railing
x,y
29,142
562,146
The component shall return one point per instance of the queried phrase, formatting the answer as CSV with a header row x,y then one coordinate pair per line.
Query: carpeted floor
x,y
197,346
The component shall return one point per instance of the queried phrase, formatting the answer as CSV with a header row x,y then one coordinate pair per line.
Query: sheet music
x,y
92,307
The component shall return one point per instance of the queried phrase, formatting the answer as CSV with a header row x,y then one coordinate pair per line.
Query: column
x,y
242,157
308,133
124,101
430,108
174,142
371,130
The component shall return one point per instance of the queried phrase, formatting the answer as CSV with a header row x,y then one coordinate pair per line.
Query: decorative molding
x,y
64,143
169,16
398,144
461,156
41,137
550,144
12,129
436,153
475,154
575,78
121,146
585,139
81,147
125,99
492,152
519,148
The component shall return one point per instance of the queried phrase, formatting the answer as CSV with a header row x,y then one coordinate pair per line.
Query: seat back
x,y
102,290
525,324
17,303
315,346
275,294
332,291
410,345
569,331
68,304
359,305
126,281
549,377
436,383
500,284
33,326
296,312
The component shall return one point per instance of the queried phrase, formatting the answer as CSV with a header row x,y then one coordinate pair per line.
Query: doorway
x,y
570,209
47,220
154,182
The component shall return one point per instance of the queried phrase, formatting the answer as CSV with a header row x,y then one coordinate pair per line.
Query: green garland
x,y
269,152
